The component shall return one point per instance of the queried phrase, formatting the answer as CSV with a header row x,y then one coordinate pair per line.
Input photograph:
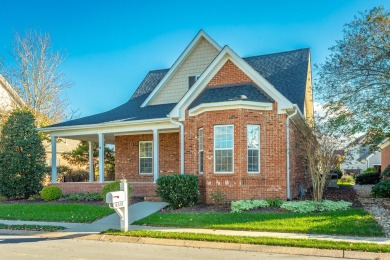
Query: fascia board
x,y
227,105
385,143
102,125
179,62
213,68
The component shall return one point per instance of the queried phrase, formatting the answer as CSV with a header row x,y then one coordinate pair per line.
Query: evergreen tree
x,y
22,156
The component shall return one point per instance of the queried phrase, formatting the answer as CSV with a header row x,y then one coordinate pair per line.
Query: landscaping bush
x,y
275,203
51,193
371,169
218,197
94,196
382,189
386,172
76,176
368,178
308,206
242,205
114,186
347,179
178,190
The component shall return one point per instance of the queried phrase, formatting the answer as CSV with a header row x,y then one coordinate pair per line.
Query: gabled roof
x,y
286,71
16,98
131,110
247,92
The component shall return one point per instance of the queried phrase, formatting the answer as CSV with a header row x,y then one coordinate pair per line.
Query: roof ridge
x,y
282,52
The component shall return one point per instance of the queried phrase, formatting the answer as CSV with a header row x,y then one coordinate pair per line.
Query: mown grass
x,y
355,222
32,227
72,212
307,243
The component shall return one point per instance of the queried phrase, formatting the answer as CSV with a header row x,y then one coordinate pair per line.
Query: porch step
x,y
152,198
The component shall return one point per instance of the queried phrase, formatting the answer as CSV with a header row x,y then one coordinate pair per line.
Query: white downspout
x,y
288,152
181,144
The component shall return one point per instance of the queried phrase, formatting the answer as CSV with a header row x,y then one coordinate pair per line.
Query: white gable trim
x,y
201,35
238,104
225,55
385,143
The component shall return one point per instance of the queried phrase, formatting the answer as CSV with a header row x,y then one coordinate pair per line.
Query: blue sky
x,y
111,45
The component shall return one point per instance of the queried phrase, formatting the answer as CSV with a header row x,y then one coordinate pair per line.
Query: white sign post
x,y
119,201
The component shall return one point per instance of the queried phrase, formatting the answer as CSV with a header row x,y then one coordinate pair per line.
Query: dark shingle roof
x,y
131,110
230,93
286,71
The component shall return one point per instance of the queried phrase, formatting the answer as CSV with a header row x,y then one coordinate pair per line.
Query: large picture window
x,y
253,146
200,148
223,148
146,157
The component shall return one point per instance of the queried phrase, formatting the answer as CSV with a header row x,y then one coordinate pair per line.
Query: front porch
x,y
142,154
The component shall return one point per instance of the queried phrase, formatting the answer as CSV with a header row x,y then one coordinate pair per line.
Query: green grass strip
x,y
272,241
71,212
353,222
32,227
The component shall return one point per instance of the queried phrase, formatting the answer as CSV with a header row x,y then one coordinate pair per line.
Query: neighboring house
x,y
359,157
231,121
385,150
10,100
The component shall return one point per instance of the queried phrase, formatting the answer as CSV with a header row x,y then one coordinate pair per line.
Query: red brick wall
x,y
270,183
385,157
77,187
229,74
127,156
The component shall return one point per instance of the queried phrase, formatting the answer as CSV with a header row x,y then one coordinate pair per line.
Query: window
x,y
146,157
253,146
200,149
223,149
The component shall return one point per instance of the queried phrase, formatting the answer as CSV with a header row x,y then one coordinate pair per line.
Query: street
x,y
34,247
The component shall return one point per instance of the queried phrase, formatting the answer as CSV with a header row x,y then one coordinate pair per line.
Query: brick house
x,y
385,152
229,120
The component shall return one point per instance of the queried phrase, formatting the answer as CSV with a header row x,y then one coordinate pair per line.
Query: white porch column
x,y
53,159
90,156
155,155
101,158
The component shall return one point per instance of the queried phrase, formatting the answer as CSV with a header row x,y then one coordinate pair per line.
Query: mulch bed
x,y
346,193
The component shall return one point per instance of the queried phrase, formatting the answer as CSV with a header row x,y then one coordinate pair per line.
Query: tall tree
x,y
354,81
36,75
22,156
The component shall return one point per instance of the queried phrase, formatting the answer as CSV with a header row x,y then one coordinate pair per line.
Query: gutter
x,y
176,122
288,152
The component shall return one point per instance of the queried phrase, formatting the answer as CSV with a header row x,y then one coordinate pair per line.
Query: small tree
x,y
317,148
22,156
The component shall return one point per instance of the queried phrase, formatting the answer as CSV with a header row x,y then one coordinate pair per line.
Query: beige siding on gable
x,y
6,100
201,56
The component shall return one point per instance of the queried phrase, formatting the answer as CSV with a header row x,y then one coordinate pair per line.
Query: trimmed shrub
x,y
51,193
347,179
114,186
275,202
382,189
368,178
308,206
243,205
338,172
386,172
371,169
94,196
178,190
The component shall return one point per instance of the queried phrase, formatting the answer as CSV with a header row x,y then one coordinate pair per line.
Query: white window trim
x,y
215,172
247,151
139,157
200,129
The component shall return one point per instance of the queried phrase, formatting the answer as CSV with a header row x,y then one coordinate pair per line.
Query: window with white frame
x,y
253,146
146,157
223,148
200,148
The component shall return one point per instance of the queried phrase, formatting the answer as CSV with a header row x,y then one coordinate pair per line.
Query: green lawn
x,y
74,213
32,227
308,243
354,222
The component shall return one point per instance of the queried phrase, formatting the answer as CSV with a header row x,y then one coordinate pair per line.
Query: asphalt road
x,y
31,247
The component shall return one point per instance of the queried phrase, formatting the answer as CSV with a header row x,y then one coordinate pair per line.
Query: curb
x,y
241,247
